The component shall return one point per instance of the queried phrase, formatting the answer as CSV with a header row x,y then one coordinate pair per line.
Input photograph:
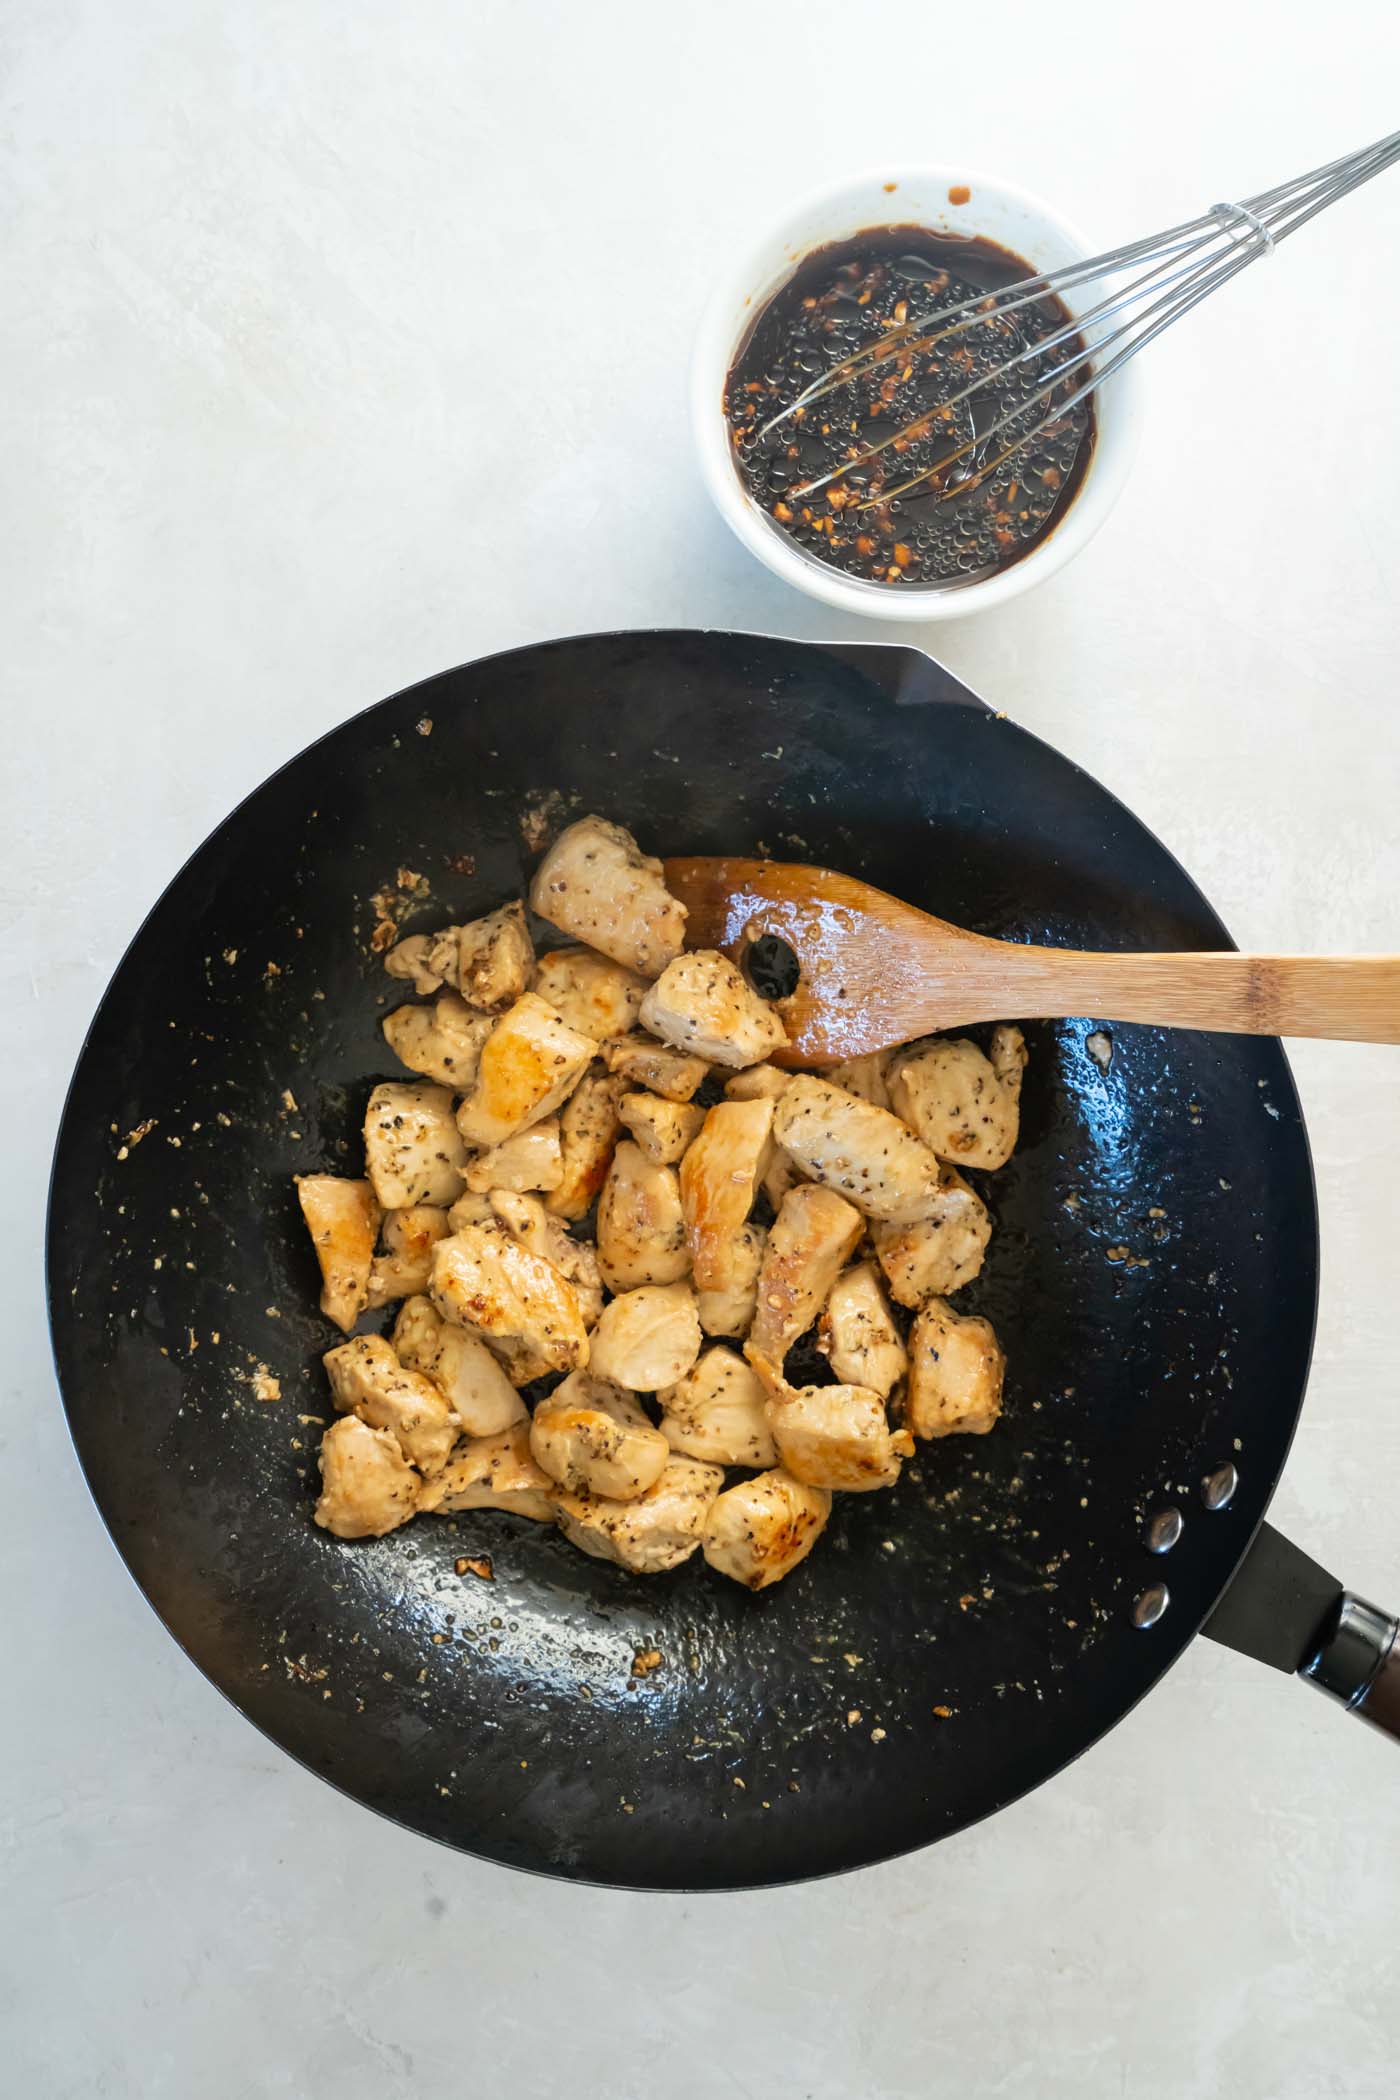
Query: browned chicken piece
x,y
758,1083
837,1436
528,1068
780,1175
703,1004
641,1228
413,1150
592,994
758,1531
717,1412
470,1209
409,959
492,1472
862,1152
368,1380
656,1531
866,1077
490,960
588,1128
442,1041
532,1159
810,1241
719,1180
460,1366
939,1252
367,1485
858,1336
405,1261
729,1309
956,1369
663,1129
965,1107
526,1217
647,1338
643,1062
343,1219
594,1439
596,884
490,1284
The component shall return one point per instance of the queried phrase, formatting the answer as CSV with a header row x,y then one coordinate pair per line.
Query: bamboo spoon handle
x,y
1351,998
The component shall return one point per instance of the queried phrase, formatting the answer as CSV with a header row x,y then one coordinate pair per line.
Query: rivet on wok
x,y
1218,1488
1150,1604
1164,1528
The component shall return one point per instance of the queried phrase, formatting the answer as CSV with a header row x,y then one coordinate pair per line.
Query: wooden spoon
x,y
874,972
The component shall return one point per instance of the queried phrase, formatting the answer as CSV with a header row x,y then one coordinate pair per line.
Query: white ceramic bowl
x,y
999,212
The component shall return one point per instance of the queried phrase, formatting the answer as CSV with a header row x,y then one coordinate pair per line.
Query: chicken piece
x,y
442,1041
810,1241
757,1083
492,1472
470,1209
405,1262
343,1218
588,1129
702,1003
647,1338
367,1485
594,1439
837,1436
532,1159
729,1308
368,1380
939,1252
719,1180
717,1412
858,1336
590,993
956,1369
528,1067
861,1151
867,1077
460,1366
490,960
965,1107
780,1176
413,1150
410,959
529,1221
656,1531
758,1531
642,1062
596,884
663,1129
641,1227
490,1284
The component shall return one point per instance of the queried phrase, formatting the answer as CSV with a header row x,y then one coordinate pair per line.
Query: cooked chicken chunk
x,y
442,1041
729,1308
956,1370
758,1531
780,1175
367,1485
719,1179
758,1083
493,1472
939,1252
490,1284
663,1129
490,961
641,1227
470,1209
647,1338
528,1066
535,1228
588,1130
413,1151
858,1336
965,1107
837,1436
590,993
596,884
866,1077
717,1412
642,1062
532,1159
861,1151
460,1366
410,959
368,1380
405,1261
657,1531
810,1241
702,1003
343,1218
595,1439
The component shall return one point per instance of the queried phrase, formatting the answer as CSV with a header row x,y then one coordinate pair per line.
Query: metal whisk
x,y
1184,265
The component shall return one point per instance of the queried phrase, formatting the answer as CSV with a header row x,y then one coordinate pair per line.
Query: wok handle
x,y
1357,1661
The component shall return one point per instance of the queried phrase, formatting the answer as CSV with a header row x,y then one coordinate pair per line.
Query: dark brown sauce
x,y
851,294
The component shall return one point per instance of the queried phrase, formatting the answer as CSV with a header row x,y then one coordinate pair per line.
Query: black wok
x,y
949,1645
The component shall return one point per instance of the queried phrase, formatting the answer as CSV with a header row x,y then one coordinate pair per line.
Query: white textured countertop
x,y
280,434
